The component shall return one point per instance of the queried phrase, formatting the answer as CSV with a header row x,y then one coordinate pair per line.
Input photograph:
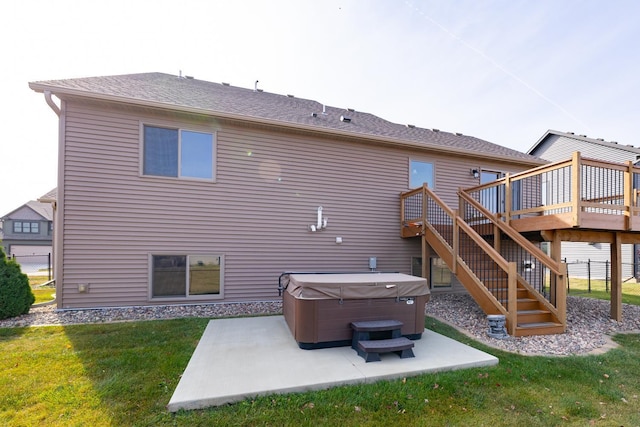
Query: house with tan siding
x,y
175,190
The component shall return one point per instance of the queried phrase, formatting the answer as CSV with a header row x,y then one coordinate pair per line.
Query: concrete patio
x,y
241,358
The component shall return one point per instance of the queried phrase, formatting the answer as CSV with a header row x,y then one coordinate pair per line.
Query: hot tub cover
x,y
356,285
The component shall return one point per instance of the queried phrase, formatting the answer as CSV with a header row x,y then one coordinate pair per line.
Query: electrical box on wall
x,y
373,263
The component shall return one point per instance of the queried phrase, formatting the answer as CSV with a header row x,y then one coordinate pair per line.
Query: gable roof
x,y
597,141
159,90
32,210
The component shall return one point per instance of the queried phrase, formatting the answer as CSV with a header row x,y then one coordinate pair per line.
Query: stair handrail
x,y
467,228
550,263
459,224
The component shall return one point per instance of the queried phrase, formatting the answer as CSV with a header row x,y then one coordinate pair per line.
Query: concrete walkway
x,y
241,358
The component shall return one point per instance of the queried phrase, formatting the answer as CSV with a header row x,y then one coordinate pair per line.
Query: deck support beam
x,y
616,278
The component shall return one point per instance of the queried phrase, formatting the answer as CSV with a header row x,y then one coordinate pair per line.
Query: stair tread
x,y
538,325
534,311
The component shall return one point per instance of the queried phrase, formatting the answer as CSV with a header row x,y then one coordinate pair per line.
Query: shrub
x,y
15,293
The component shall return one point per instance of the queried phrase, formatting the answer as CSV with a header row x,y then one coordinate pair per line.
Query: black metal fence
x,y
597,274
34,264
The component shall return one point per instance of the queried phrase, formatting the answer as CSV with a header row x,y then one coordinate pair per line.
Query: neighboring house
x,y
175,190
558,146
28,230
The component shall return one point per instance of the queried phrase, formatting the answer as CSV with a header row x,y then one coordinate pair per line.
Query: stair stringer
x,y
478,291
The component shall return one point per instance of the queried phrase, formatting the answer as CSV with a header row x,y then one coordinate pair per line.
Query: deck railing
x,y
578,192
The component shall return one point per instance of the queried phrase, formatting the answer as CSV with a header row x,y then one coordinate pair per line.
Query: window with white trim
x,y
187,276
178,153
26,227
419,173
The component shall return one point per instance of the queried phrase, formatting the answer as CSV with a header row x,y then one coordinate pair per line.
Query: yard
x,y
125,374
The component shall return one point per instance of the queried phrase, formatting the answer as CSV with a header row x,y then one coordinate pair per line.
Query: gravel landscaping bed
x,y
589,326
588,322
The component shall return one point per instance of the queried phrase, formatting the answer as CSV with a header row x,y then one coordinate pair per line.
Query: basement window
x,y
441,276
187,276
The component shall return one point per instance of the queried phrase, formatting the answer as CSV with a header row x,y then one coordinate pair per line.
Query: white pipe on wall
x,y
319,222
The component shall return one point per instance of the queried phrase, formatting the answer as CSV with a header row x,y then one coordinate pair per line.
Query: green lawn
x,y
42,294
125,373
600,290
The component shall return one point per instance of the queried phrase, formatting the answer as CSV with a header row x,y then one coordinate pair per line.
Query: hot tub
x,y
319,308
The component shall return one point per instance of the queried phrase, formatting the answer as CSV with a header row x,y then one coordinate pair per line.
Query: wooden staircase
x,y
524,284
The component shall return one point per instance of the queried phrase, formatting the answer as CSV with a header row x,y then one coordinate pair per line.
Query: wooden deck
x,y
580,200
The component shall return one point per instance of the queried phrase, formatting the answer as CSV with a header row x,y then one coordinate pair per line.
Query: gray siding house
x,y
28,230
556,146
174,190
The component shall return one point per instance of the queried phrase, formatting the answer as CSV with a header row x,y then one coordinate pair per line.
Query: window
x,y
419,173
178,153
26,227
186,276
441,276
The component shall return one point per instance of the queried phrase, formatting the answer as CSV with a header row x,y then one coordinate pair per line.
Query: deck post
x,y
426,259
456,242
628,195
561,294
576,188
512,298
556,255
616,278
508,199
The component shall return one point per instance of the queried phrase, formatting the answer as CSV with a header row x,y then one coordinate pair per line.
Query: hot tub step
x,y
375,330
370,349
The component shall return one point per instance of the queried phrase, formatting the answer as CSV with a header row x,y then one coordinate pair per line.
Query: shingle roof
x,y
45,210
189,94
597,141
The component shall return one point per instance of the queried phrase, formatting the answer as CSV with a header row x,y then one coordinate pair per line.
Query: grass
x,y
580,287
42,294
125,373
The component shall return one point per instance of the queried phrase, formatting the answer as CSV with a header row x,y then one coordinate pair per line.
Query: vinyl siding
x,y
267,188
577,255
558,147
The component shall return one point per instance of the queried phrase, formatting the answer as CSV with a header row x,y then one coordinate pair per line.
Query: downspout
x,y
58,204
50,103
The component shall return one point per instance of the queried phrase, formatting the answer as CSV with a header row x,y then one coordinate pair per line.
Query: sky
x,y
502,70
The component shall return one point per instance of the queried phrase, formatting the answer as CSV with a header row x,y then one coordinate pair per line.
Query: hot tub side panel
x,y
327,322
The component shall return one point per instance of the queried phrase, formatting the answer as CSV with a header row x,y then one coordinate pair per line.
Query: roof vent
x,y
600,139
291,96
571,133
314,114
459,133
584,136
351,109
226,84
411,126
435,130
188,77
345,119
614,142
